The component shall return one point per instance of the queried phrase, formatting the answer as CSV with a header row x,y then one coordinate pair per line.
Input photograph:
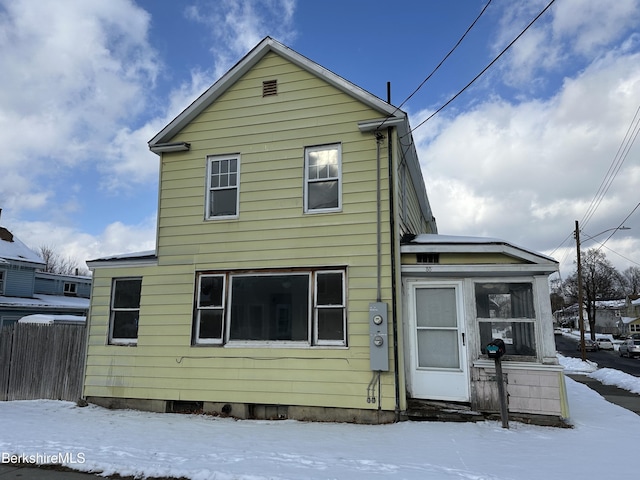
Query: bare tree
x,y
56,263
600,281
632,279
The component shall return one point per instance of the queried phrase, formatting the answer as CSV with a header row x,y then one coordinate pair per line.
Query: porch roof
x,y
529,261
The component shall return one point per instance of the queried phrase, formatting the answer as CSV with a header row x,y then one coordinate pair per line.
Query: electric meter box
x,y
378,337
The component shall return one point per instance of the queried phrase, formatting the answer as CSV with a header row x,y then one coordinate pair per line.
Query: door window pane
x,y
438,349
436,307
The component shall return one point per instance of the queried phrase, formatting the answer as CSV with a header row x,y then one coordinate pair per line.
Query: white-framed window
x,y
329,315
70,288
2,280
223,174
323,178
505,310
125,310
210,309
302,307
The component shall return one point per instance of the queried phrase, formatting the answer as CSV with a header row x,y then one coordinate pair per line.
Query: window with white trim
x,y
223,173
330,308
306,308
125,310
2,277
506,311
70,288
323,178
210,309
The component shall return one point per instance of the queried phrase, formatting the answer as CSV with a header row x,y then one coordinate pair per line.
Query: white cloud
x,y
238,25
72,243
570,31
525,171
72,71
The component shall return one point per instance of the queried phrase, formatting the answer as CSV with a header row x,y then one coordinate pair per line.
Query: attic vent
x,y
428,258
269,87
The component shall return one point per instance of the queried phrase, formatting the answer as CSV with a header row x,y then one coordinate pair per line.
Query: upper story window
x,y
2,277
125,310
505,311
323,178
70,288
222,186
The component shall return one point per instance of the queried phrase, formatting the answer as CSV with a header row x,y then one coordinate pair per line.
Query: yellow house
x,y
278,288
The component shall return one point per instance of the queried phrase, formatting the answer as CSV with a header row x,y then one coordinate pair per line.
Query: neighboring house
x,y
24,290
608,315
629,324
280,287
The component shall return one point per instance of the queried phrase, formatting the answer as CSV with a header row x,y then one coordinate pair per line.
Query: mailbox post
x,y
496,350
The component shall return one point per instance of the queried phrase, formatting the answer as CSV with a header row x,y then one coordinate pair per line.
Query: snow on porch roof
x,y
436,243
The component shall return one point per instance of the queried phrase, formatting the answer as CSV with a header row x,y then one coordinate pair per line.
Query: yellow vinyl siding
x,y
271,231
414,221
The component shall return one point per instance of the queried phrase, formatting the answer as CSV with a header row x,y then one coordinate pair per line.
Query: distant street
x,y
604,358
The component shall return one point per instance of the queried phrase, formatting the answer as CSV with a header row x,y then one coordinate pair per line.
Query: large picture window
x,y
322,176
301,307
125,310
505,311
222,186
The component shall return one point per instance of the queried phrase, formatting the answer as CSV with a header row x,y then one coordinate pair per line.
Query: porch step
x,y
427,410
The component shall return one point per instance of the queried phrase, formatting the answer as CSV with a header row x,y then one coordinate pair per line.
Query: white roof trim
x,y
460,244
371,125
148,257
267,45
498,269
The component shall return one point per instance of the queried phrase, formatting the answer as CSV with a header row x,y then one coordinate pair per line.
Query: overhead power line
x,y
484,69
616,164
447,55
439,64
623,150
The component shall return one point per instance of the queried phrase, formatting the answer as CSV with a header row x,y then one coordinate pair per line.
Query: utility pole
x,y
580,293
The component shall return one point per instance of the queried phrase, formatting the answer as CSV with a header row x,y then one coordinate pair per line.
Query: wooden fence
x,y
41,361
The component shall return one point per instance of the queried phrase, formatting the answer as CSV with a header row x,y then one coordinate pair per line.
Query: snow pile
x,y
609,376
576,365
202,447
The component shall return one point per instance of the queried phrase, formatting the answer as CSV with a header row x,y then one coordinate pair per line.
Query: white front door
x,y
438,360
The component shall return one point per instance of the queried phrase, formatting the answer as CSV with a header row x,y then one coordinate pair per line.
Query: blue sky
x,y
520,155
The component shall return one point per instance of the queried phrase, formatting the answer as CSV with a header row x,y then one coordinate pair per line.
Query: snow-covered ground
x,y
603,443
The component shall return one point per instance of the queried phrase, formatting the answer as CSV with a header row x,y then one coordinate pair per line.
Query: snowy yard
x,y
602,443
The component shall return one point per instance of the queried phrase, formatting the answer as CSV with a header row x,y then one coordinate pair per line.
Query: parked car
x,y
630,348
589,345
604,343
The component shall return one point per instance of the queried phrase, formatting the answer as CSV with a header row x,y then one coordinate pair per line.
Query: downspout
x,y
379,138
394,299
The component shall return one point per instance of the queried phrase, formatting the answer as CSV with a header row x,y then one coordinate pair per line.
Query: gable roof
x,y
267,45
391,116
11,248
